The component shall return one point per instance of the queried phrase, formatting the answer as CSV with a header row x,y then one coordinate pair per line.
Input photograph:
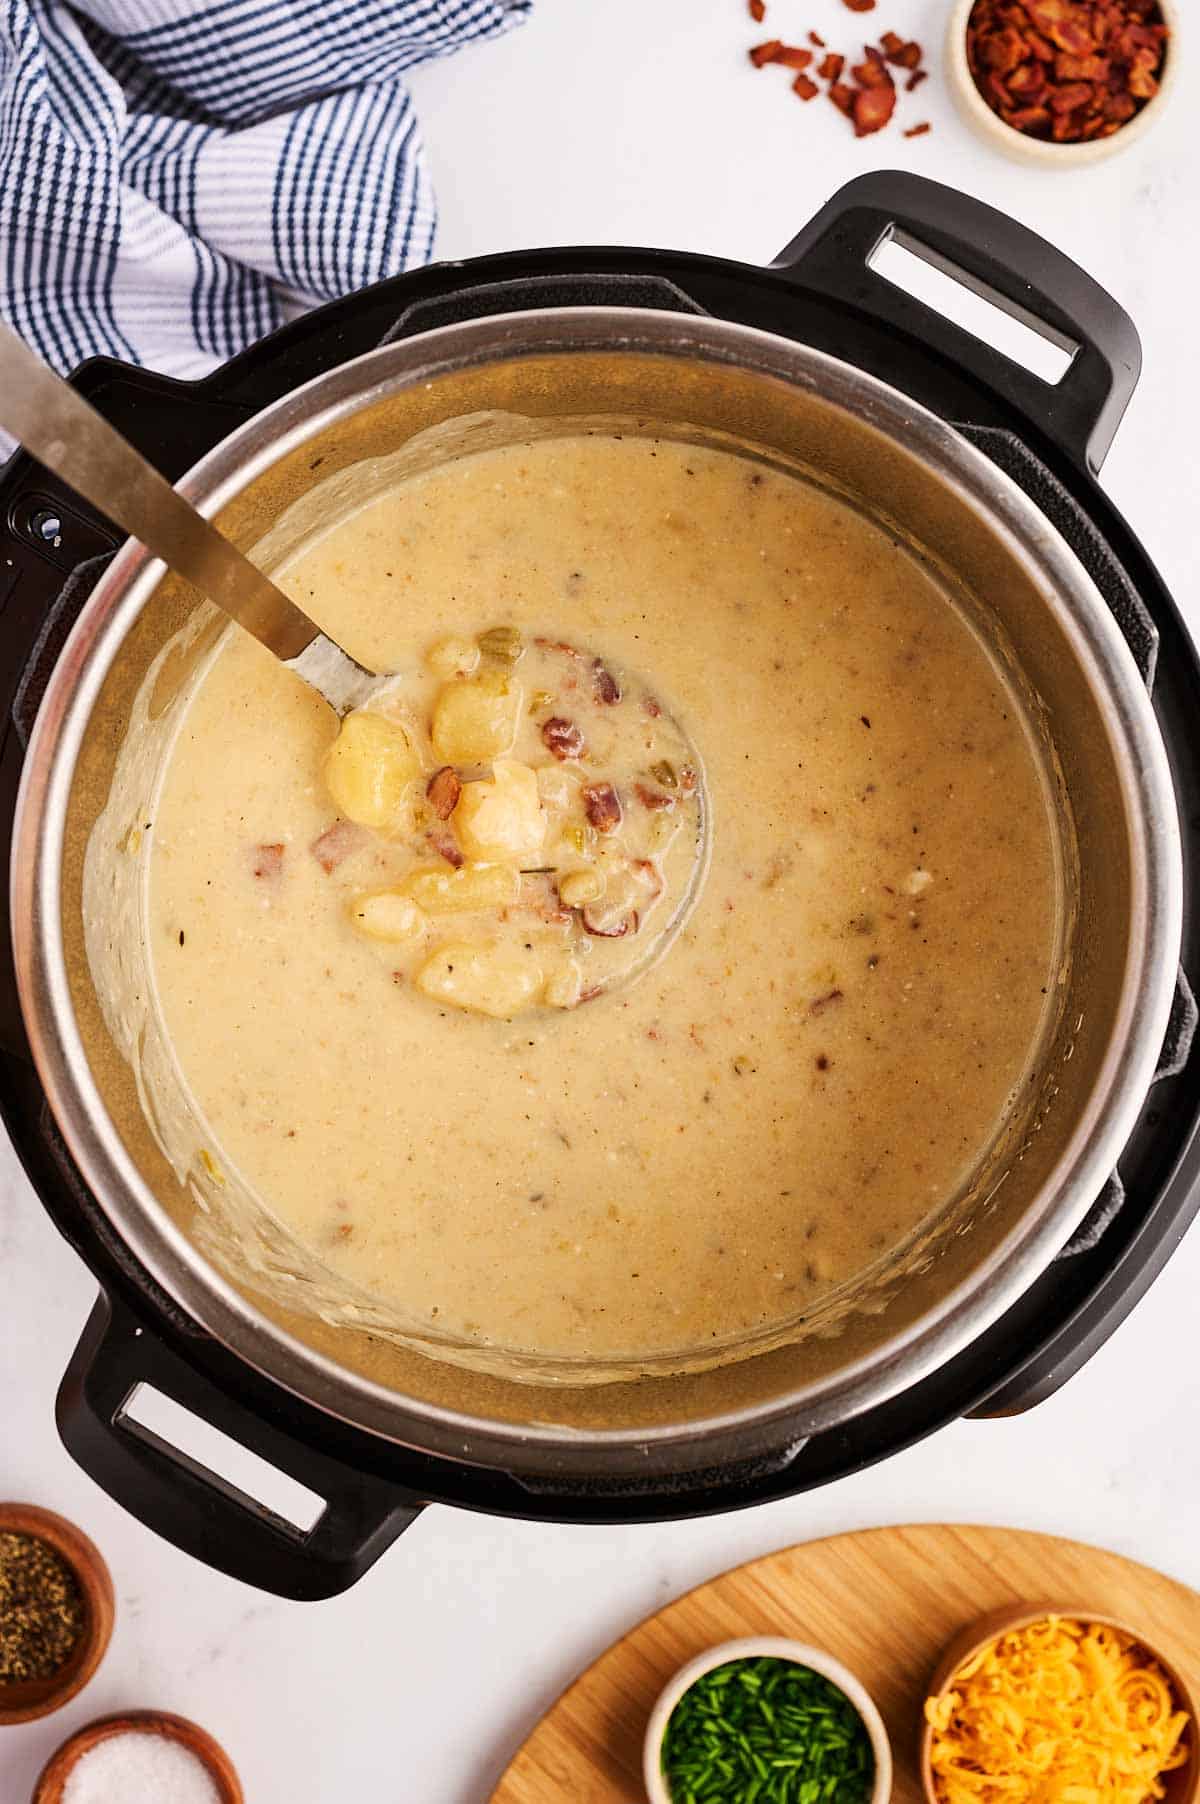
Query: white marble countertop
x,y
641,124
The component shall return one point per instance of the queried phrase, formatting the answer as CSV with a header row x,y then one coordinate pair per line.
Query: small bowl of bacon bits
x,y
1062,1706
1063,82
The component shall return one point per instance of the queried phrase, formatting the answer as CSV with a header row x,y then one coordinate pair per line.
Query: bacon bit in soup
x,y
337,843
821,1003
602,805
447,847
757,10
605,684
604,927
1066,70
649,876
653,799
563,738
267,863
443,791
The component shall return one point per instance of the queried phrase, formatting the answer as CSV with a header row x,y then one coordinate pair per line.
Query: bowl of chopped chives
x,y
766,1721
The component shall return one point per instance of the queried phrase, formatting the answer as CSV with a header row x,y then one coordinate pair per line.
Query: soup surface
x,y
664,1139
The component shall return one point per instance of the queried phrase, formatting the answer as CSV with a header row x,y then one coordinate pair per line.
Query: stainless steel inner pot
x,y
864,441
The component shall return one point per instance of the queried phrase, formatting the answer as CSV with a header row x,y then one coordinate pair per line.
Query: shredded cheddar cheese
x,y
1058,1713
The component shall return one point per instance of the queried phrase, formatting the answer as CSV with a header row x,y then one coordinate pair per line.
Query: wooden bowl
x,y
1180,1787
22,1700
1004,137
220,1769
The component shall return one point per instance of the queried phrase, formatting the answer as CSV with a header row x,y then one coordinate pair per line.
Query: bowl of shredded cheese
x,y
1057,1706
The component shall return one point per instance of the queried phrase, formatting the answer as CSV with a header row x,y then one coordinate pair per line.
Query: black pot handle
x,y
1003,261
195,1509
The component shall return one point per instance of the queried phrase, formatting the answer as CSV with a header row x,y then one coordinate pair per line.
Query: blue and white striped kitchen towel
x,y
179,176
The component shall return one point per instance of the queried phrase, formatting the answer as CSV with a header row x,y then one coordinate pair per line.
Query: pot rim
x,y
1090,1154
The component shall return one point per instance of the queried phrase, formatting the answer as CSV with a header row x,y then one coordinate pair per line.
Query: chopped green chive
x,y
766,1731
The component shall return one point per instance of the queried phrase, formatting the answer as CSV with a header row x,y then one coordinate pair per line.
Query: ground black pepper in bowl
x,y
42,1611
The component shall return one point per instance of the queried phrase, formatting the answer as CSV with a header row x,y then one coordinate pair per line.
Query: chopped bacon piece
x,y
1071,95
568,651
766,53
1035,119
918,131
653,799
806,87
604,927
1079,68
1028,83
267,862
604,683
859,6
814,37
337,843
563,738
602,805
794,56
443,791
446,846
873,107
842,96
758,10
649,876
916,78
831,68
1143,83
904,56
872,72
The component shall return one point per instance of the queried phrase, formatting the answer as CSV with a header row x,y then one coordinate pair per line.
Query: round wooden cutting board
x,y
885,1601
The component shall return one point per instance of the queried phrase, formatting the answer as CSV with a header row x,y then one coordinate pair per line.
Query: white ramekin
x,y
1006,138
758,1647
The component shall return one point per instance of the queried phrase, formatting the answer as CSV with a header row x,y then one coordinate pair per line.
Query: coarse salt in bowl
x,y
141,1757
136,1765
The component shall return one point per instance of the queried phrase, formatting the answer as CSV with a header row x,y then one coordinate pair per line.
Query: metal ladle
x,y
69,437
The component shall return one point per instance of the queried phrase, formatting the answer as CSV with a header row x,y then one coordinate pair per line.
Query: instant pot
x,y
939,434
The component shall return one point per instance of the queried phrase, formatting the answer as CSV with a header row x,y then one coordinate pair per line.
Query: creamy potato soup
x,y
667,942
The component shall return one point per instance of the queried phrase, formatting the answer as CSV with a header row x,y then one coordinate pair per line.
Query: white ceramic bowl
x,y
758,1647
1025,149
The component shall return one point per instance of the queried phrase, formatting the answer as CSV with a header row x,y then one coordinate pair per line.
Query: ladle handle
x,y
192,1506
999,259
67,435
